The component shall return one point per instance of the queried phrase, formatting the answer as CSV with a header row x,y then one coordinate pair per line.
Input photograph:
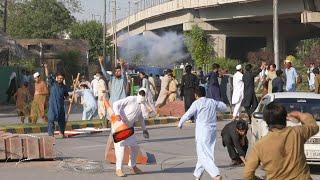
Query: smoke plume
x,y
153,50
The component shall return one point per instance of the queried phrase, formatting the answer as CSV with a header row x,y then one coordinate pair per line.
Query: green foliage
x,y
72,5
92,31
28,64
38,19
308,51
69,64
199,48
228,64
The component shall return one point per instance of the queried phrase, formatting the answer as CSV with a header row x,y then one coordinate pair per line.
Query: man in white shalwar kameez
x,y
237,95
205,112
130,109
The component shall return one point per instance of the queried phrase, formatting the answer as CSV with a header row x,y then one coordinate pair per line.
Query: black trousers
x,y
51,126
189,98
233,154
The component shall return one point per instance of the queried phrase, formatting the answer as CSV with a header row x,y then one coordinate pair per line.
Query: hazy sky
x,y
93,9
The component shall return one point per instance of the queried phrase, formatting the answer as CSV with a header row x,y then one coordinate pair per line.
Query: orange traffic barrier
x,y
120,130
142,157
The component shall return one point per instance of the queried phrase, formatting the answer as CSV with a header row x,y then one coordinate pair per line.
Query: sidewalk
x,y
8,110
72,125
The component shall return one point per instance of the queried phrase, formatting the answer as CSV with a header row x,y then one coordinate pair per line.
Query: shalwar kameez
x,y
205,112
237,95
130,109
89,103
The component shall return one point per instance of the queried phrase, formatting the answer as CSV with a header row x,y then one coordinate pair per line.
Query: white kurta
x,y
130,111
152,86
205,112
237,95
238,86
94,86
163,95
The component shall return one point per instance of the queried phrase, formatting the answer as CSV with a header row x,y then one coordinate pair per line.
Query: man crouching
x,y
130,109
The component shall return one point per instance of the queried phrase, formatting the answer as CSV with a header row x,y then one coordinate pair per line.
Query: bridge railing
x,y
140,5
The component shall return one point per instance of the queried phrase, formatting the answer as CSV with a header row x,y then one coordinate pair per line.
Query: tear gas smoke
x,y
153,50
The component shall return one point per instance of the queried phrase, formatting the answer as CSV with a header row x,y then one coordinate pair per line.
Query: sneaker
x,y
135,170
119,173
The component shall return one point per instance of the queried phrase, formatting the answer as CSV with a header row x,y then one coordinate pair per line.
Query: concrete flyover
x,y
241,25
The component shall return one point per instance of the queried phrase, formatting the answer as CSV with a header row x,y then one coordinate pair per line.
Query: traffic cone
x,y
142,156
120,130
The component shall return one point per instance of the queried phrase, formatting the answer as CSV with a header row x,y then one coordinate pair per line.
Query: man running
x,y
205,112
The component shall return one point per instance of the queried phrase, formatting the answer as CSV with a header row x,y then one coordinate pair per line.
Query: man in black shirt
x,y
277,83
189,83
234,137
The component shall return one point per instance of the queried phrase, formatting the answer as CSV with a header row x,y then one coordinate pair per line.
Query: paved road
x,y
174,150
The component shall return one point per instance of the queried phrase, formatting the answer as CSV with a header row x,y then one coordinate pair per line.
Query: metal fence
x,y
141,5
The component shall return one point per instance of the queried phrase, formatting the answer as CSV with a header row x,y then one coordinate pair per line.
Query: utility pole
x,y
104,29
114,30
276,34
5,15
129,4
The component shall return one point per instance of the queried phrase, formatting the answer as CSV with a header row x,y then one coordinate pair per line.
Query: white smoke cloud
x,y
154,50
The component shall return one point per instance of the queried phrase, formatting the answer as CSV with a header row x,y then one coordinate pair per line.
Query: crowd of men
x,y
203,94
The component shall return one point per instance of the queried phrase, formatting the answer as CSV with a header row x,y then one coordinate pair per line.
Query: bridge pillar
x,y
219,43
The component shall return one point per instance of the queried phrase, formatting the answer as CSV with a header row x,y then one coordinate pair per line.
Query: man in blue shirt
x,y
291,77
118,81
56,110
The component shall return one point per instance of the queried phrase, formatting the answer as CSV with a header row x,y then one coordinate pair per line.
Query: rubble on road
x,y
26,147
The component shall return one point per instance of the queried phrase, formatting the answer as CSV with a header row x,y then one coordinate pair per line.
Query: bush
x,y
228,64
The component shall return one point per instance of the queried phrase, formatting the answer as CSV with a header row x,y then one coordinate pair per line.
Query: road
x,y
174,151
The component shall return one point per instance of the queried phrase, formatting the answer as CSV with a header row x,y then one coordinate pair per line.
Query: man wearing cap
x,y
88,101
130,110
291,76
237,95
39,103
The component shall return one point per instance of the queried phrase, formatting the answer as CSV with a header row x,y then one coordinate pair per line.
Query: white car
x,y
293,101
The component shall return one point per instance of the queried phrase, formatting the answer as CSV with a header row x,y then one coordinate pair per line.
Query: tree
x,y
199,48
38,19
92,31
70,64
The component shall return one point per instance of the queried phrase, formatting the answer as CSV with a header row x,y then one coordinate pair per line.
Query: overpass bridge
x,y
234,27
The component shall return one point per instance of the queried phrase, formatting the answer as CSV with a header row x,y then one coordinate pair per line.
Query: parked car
x,y
293,101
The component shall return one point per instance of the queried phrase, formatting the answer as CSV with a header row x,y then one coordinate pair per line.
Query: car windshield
x,y
311,106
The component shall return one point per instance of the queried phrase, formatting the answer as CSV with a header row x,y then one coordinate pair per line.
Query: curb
x,y
42,128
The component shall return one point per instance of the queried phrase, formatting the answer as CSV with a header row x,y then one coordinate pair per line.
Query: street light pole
x,y
276,33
